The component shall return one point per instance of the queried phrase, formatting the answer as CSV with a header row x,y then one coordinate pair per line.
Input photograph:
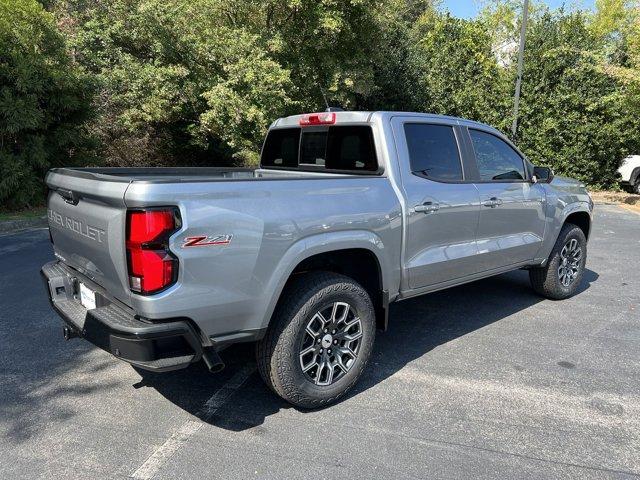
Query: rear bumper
x,y
169,345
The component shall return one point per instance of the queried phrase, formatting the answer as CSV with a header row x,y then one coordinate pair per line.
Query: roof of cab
x,y
367,117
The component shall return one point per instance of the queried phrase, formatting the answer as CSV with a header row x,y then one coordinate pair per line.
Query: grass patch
x,y
24,214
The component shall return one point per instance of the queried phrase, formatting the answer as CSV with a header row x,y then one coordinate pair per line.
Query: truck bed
x,y
180,174
269,214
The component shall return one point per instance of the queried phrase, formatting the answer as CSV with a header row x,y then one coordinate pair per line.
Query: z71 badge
x,y
207,241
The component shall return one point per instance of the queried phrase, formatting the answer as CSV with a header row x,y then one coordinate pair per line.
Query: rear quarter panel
x,y
274,224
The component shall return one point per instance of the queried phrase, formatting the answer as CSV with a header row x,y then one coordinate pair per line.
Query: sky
x,y
469,8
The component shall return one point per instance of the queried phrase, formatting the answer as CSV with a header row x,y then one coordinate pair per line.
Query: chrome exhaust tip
x,y
212,360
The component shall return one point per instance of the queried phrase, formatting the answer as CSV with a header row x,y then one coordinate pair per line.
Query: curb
x,y
8,226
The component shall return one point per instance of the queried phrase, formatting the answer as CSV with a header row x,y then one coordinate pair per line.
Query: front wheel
x,y
319,340
562,274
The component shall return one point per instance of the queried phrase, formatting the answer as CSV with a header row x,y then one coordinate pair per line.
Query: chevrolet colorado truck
x,y
347,212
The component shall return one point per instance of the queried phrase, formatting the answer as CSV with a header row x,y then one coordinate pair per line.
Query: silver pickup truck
x,y
348,212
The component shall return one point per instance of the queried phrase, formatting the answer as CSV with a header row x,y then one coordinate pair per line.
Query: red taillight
x,y
322,118
151,266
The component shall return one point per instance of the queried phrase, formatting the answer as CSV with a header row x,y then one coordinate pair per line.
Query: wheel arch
x,y
358,255
360,264
581,219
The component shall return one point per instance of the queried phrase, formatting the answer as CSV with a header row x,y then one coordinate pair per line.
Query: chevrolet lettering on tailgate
x,y
75,225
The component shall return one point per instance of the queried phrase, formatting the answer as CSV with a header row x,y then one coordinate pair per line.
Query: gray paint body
x,y
279,218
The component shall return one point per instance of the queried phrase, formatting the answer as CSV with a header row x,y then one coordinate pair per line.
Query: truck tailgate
x,y
87,221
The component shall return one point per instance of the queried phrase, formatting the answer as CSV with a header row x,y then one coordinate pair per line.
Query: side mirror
x,y
542,175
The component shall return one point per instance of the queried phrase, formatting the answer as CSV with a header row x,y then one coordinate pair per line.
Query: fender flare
x,y
322,243
569,209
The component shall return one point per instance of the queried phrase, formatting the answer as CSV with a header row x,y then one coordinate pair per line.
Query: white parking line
x,y
159,457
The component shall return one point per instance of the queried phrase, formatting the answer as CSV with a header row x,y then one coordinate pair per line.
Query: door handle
x,y
427,207
493,202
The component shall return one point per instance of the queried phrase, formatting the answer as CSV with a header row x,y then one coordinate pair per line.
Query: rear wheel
x,y
319,341
636,186
562,274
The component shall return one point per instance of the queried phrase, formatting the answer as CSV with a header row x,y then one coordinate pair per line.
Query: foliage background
x,y
197,82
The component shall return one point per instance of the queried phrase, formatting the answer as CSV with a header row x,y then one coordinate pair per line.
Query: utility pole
x,y
516,100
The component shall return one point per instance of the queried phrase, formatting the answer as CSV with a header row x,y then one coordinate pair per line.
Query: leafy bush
x,y
198,82
576,114
44,103
456,69
177,85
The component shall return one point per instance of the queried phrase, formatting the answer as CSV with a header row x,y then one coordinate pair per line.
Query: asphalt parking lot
x,y
484,381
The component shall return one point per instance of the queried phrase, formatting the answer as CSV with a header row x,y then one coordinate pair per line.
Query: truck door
x,y
512,216
442,204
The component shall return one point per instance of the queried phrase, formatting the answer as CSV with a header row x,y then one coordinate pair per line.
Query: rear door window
x,y
433,151
348,149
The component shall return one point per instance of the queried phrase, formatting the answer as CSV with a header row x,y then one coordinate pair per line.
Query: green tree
x,y
575,112
618,21
617,24
325,44
179,82
199,81
44,103
392,78
456,70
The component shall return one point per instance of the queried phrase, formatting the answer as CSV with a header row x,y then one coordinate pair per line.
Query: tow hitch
x,y
69,333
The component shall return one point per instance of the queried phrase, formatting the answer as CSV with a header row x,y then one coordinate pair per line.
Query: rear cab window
x,y
336,148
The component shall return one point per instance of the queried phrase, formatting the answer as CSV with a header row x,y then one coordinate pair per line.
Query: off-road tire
x,y
545,280
277,354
